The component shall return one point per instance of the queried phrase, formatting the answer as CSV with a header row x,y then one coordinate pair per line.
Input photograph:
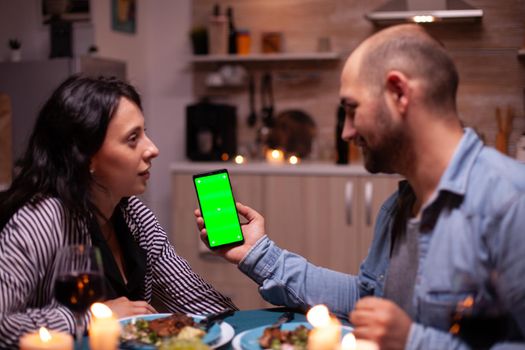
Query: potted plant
x,y
15,45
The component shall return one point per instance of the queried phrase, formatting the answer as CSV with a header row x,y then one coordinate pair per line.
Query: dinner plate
x,y
249,340
217,335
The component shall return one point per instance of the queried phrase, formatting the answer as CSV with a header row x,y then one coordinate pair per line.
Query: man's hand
x,y
253,230
381,321
123,307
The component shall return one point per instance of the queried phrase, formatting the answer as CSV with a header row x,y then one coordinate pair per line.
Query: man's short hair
x,y
418,55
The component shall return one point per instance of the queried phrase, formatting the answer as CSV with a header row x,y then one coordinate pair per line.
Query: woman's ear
x,y
397,90
92,167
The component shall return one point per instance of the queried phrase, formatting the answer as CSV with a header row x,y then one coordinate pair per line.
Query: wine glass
x,y
79,281
480,319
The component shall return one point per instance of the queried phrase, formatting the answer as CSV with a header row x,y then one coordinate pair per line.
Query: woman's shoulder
x,y
135,207
140,218
40,209
37,223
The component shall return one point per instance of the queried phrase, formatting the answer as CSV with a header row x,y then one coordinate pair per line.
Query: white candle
x,y
351,343
104,329
46,340
325,338
327,332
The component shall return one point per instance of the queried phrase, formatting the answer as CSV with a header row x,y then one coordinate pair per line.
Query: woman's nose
x,y
151,151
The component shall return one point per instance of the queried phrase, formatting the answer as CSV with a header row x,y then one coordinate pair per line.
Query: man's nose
x,y
349,132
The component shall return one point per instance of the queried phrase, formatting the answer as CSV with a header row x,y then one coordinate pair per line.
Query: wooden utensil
x,y
504,122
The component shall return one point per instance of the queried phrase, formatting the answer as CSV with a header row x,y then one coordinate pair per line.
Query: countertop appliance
x,y
211,131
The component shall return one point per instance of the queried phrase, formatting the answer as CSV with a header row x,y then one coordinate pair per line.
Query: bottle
x,y
218,32
232,32
243,42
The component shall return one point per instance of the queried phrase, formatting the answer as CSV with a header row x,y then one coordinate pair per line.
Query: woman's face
x,y
121,166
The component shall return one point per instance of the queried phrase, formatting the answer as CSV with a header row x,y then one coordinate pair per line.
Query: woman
x,y
87,158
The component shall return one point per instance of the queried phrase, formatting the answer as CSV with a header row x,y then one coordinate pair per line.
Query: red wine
x,y
77,292
483,331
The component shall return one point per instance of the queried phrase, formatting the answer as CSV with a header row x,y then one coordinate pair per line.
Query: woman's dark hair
x,y
69,130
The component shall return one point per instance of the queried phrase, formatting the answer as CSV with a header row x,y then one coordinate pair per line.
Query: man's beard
x,y
388,154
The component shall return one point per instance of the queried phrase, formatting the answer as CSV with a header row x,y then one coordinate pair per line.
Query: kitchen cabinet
x,y
325,215
327,219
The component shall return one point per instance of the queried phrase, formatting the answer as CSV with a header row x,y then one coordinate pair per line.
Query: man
x,y
451,241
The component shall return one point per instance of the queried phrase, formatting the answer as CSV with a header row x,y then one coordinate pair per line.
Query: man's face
x,y
369,122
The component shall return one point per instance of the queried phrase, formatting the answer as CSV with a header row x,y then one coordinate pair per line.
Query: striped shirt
x,y
29,243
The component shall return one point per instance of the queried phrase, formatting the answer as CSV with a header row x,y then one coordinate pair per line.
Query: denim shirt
x,y
471,243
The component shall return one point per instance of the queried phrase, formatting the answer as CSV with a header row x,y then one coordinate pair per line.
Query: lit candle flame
x,y
100,310
349,342
318,316
239,159
45,336
293,160
468,302
274,156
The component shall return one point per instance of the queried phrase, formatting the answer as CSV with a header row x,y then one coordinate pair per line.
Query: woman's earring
x,y
91,171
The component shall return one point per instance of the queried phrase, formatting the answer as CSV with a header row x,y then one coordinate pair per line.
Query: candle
x,y
326,334
46,340
104,329
239,159
318,316
351,343
274,156
294,160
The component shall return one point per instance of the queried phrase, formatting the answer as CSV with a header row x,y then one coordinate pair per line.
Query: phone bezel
x,y
215,172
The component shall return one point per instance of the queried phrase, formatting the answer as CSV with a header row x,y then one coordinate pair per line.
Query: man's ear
x,y
397,90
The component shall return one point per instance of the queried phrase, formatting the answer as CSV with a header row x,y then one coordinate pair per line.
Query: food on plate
x,y
179,329
171,325
183,344
277,339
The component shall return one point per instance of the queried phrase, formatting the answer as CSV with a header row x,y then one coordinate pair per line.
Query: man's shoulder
x,y
493,166
507,169
495,180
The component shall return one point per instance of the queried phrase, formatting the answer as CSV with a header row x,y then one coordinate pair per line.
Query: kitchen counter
x,y
263,168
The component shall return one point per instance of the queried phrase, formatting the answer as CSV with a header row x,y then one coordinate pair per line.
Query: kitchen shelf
x,y
270,57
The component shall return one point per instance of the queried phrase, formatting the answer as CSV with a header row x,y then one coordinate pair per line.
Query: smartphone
x,y
218,210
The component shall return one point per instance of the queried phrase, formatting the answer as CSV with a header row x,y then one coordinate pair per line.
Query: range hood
x,y
421,11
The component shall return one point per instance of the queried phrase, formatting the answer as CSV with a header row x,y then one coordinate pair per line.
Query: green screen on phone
x,y
218,208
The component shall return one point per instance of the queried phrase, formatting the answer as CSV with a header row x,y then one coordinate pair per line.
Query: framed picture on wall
x,y
124,15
